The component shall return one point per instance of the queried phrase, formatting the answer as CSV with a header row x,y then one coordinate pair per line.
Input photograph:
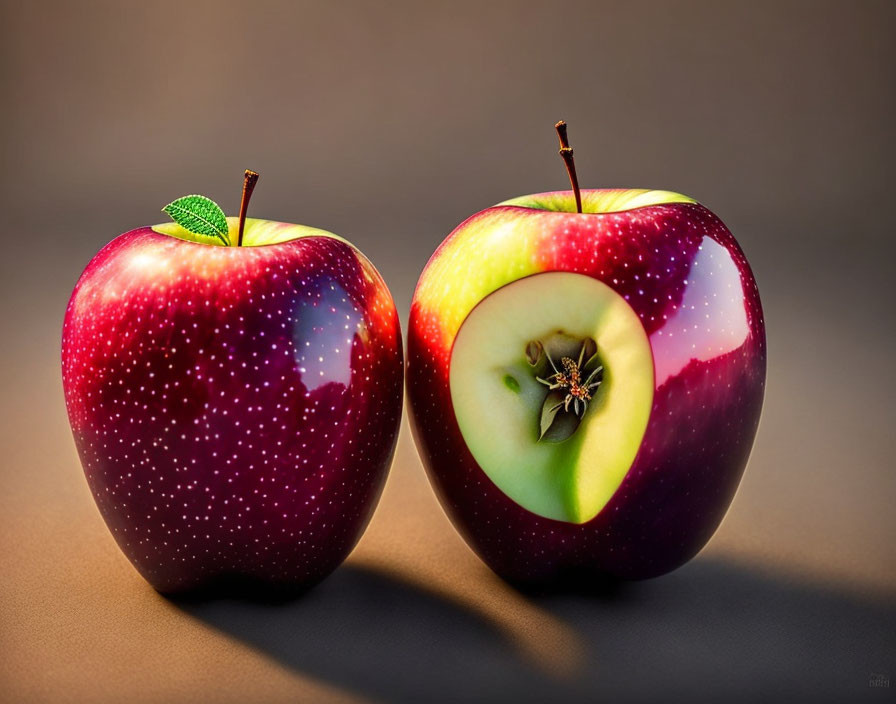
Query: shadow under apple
x,y
376,635
710,631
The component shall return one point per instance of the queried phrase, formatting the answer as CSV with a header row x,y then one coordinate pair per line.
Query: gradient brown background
x,y
389,123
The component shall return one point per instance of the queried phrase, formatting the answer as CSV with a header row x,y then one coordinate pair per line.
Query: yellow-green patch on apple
x,y
257,232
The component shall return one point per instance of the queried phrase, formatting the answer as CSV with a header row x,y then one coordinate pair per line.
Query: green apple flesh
x,y
498,400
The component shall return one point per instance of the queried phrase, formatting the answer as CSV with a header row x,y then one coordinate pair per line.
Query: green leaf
x,y
199,215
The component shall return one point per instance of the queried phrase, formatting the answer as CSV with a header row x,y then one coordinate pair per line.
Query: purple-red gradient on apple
x,y
235,408
585,383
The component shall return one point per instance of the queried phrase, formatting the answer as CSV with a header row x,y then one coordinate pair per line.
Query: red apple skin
x,y
235,409
685,276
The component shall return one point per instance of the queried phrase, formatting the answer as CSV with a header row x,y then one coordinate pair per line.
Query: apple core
x,y
551,379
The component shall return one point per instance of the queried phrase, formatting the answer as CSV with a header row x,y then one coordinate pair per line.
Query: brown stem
x,y
249,181
566,154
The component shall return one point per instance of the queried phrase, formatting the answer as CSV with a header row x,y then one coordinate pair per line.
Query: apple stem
x,y
249,181
566,154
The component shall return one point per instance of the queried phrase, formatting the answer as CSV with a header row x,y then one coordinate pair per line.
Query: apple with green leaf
x,y
585,376
234,388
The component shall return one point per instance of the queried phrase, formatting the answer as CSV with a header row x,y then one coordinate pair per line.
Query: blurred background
x,y
389,123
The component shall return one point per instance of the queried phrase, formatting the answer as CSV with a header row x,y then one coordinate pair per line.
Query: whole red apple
x,y
585,386
235,408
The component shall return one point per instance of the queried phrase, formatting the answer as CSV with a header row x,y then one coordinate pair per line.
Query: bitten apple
x,y
585,383
235,408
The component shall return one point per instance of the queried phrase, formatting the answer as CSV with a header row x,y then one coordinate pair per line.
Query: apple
x,y
235,408
585,384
